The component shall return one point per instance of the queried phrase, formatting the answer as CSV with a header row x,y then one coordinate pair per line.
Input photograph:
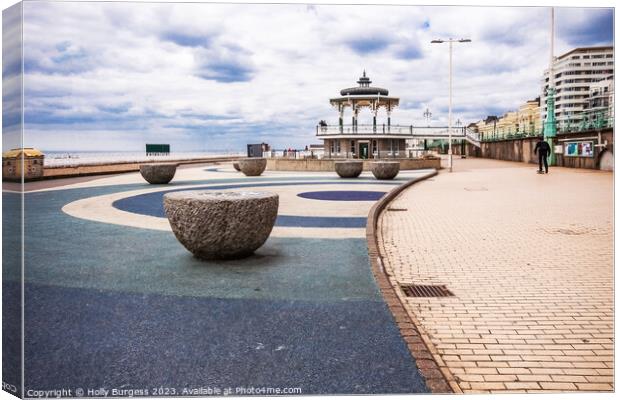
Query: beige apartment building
x,y
523,121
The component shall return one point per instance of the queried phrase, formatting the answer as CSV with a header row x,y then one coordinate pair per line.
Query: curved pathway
x,y
529,259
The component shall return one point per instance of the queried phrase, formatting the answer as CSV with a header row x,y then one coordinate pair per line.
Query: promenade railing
x,y
409,130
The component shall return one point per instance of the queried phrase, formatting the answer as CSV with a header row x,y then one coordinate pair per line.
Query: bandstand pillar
x,y
375,108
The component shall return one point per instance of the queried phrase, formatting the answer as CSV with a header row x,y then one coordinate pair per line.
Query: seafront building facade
x,y
574,74
584,88
599,105
525,121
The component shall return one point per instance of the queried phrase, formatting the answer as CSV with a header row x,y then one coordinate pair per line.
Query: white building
x,y
599,105
574,73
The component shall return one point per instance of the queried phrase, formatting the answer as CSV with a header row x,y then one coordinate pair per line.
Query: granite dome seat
x,y
349,168
253,166
385,169
221,225
158,173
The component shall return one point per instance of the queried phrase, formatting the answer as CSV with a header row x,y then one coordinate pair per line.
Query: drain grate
x,y
426,291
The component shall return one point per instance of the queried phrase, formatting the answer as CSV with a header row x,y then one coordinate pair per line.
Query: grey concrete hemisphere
x,y
253,166
236,166
221,225
385,169
158,173
349,168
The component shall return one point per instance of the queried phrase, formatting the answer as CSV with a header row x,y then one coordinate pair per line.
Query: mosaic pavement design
x,y
114,301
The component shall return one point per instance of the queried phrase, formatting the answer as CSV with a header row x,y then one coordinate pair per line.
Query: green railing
x,y
509,135
591,121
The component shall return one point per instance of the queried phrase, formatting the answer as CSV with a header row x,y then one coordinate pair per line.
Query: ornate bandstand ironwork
x,y
376,140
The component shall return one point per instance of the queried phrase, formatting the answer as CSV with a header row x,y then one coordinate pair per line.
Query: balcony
x,y
395,131
383,129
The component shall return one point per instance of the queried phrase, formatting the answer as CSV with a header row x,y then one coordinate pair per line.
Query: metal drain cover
x,y
426,291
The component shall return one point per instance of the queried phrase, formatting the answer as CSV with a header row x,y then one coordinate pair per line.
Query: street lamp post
x,y
450,41
427,115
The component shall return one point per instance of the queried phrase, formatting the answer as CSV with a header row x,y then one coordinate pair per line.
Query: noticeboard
x,y
157,149
579,149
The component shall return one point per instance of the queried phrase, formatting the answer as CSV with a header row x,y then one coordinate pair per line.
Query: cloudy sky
x,y
113,76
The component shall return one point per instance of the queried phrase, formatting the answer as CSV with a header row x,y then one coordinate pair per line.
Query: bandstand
x,y
364,141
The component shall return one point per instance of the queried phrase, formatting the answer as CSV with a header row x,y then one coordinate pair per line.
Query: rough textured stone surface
x,y
236,166
253,166
158,173
221,225
385,169
348,169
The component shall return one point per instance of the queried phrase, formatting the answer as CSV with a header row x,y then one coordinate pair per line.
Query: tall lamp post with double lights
x,y
450,41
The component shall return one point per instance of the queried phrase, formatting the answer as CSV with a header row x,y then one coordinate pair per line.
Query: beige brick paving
x,y
530,260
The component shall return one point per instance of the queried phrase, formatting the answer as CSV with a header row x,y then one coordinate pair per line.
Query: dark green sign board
x,y
157,149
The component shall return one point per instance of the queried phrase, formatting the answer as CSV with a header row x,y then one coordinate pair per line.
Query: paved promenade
x,y
529,259
303,314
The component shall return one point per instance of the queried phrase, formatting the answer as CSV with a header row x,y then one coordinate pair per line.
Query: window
x,y
337,146
331,146
393,146
352,146
374,146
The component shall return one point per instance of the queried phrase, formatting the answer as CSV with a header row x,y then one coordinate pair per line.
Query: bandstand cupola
x,y
363,96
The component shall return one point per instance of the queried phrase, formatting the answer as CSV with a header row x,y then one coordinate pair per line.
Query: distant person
x,y
544,150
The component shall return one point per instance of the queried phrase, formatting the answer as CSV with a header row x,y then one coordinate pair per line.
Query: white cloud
x,y
229,74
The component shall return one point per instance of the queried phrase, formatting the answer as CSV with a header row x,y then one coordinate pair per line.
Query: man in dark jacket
x,y
544,150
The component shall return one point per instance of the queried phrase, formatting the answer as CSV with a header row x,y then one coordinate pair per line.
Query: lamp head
x,y
437,41
464,40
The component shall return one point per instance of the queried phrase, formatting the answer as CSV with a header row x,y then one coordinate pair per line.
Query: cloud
x,y
112,75
224,68
576,28
409,52
187,40
368,45
11,78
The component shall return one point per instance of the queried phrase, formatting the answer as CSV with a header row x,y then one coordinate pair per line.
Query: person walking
x,y
544,150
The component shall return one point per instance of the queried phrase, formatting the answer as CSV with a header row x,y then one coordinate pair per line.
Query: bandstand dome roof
x,y
364,88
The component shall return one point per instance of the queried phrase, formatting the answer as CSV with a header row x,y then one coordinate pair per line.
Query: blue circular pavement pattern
x,y
343,195
151,204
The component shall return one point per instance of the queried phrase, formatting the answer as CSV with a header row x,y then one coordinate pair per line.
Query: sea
x,y
72,158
